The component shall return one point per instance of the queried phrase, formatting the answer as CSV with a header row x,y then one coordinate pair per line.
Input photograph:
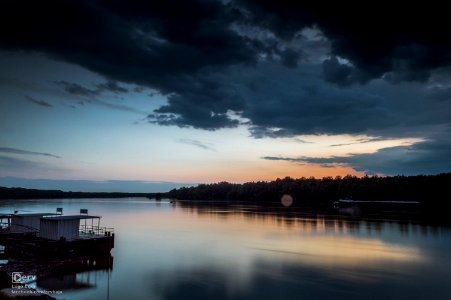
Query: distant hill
x,y
21,193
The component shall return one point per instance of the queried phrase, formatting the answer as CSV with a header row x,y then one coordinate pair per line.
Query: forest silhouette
x,y
432,191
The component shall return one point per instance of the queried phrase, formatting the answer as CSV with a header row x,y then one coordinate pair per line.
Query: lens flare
x,y
286,200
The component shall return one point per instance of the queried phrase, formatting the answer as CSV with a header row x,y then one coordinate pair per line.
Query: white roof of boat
x,y
70,217
34,214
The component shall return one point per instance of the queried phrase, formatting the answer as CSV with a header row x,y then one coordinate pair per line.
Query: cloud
x,y
90,95
377,41
112,86
298,140
197,143
119,107
342,74
38,102
428,157
360,141
282,102
440,93
282,158
287,68
79,90
25,152
290,57
150,44
281,69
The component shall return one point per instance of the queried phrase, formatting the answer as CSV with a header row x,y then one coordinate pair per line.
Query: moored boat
x,y
49,234
357,207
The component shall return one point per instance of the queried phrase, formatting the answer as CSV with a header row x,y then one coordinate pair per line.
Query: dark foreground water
x,y
166,251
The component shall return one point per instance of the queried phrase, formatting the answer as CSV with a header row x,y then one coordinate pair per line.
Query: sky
x,y
109,95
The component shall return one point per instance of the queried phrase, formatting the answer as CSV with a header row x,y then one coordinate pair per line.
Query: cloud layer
x,y
427,157
281,69
181,49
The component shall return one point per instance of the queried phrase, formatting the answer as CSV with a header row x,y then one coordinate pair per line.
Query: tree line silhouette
x,y
21,193
429,189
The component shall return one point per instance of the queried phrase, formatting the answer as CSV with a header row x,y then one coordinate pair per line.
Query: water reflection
x,y
310,240
175,251
84,275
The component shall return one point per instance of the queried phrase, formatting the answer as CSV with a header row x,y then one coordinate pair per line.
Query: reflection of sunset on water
x,y
250,237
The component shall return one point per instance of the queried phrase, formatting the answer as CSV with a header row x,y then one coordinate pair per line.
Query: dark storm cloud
x,y
290,57
283,102
38,102
25,152
440,93
201,56
406,41
341,74
204,104
160,44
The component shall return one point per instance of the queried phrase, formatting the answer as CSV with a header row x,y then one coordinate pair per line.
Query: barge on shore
x,y
50,234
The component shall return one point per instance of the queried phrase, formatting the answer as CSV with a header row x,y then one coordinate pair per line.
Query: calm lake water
x,y
166,251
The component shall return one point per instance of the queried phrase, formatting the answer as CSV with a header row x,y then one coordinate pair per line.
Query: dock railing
x,y
87,231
